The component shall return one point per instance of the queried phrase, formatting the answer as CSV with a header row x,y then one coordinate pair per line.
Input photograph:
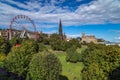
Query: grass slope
x,y
71,70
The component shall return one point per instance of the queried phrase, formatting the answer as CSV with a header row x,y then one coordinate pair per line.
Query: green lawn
x,y
71,70
79,50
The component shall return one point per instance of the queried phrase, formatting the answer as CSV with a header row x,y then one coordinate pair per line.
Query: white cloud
x,y
117,38
28,6
73,35
96,12
100,11
118,31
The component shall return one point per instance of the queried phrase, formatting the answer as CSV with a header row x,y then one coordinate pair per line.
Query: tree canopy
x,y
99,61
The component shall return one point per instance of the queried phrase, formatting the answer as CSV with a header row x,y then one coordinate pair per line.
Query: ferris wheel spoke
x,y
22,23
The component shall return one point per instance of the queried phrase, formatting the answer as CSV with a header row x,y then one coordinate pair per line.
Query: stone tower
x,y
83,34
60,30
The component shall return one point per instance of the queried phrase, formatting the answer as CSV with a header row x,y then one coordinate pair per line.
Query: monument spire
x,y
60,30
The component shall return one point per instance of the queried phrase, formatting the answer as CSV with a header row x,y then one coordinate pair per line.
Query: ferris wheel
x,y
22,26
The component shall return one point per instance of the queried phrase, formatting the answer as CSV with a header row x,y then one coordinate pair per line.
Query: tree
x,y
42,47
37,67
46,41
72,55
19,58
52,71
93,72
73,42
99,61
55,42
15,41
2,40
40,67
4,46
58,45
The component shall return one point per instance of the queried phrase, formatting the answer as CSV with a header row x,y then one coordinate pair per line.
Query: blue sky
x,y
94,17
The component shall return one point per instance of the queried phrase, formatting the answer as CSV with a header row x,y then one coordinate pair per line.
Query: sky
x,y
93,17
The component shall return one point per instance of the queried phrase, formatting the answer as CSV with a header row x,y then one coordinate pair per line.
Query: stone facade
x,y
4,34
16,33
88,39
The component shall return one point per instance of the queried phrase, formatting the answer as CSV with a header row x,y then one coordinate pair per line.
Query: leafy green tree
x,y
52,71
93,72
46,41
14,41
72,55
55,41
44,66
37,67
19,58
99,61
54,37
72,42
62,45
58,45
16,62
2,40
75,42
29,46
4,46
42,47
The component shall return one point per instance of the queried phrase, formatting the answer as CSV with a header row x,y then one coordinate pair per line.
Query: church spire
x,y
60,30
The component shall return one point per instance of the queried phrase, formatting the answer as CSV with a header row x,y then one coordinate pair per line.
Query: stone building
x,y
88,38
4,34
16,33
